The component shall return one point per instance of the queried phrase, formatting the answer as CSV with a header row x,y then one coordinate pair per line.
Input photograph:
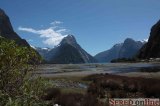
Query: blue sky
x,y
96,24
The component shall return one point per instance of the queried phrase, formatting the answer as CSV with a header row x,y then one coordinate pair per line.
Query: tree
x,y
17,87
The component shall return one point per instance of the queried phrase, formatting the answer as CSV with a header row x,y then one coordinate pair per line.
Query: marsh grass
x,y
123,87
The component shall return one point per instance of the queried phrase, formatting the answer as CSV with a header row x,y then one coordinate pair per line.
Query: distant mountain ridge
x,y
130,48
127,49
42,51
68,51
108,55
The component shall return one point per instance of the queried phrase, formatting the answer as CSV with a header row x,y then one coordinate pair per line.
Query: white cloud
x,y
56,22
52,36
61,30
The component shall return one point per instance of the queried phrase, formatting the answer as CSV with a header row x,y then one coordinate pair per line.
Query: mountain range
x,y
128,49
68,51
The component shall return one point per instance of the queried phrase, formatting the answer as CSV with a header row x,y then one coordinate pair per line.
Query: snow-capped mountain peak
x,y
144,40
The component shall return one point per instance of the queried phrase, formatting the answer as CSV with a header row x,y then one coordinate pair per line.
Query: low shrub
x,y
121,86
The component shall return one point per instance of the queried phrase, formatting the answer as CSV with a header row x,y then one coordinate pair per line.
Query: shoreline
x,y
78,70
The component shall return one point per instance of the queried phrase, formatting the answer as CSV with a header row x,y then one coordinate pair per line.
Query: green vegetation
x,y
17,87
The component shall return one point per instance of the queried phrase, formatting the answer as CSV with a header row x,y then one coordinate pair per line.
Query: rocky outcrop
x,y
6,30
152,48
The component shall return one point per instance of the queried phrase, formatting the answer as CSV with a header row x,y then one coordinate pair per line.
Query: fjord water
x,y
87,69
